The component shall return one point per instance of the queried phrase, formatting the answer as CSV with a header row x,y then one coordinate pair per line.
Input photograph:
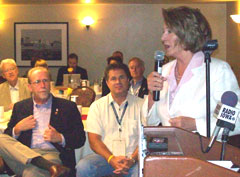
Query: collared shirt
x,y
134,88
14,93
196,61
102,121
42,115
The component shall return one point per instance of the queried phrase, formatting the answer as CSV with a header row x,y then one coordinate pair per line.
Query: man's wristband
x,y
109,158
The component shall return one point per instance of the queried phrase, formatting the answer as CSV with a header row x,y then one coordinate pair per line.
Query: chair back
x,y
85,96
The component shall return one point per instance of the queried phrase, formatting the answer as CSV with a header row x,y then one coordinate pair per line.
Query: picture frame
x,y
45,40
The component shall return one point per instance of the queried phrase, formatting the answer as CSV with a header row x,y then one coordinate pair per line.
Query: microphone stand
x,y
208,48
224,141
207,55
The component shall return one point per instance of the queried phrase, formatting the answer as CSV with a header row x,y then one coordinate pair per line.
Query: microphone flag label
x,y
226,113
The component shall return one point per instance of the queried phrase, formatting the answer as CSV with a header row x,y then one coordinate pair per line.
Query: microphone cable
x,y
201,144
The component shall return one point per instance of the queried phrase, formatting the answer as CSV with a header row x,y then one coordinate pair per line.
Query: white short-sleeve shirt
x,y
102,121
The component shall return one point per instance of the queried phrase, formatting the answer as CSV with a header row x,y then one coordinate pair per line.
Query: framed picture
x,y
48,41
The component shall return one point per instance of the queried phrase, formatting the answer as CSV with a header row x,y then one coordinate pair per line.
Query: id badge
x,y
119,148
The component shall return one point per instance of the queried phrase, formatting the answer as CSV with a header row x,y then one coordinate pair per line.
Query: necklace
x,y
177,75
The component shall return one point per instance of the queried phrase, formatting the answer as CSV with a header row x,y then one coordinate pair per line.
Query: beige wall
x,y
133,29
233,39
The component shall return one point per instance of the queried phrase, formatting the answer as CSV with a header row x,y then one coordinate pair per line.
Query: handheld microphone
x,y
226,115
159,58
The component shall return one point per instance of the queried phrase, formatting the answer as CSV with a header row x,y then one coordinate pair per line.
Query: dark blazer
x,y
63,70
65,118
143,89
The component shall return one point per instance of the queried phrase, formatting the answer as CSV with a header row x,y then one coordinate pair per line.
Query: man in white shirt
x,y
14,89
112,127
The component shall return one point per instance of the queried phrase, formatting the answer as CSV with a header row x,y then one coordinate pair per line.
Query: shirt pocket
x,y
132,128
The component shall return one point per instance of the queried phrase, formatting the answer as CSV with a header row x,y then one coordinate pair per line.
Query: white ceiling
x,y
107,1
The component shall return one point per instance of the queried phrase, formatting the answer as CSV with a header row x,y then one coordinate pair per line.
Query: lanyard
x,y
116,115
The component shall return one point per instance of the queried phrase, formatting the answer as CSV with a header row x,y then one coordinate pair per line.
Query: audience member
x,y
41,63
114,60
110,60
72,62
138,83
112,127
14,89
32,63
43,132
182,84
118,54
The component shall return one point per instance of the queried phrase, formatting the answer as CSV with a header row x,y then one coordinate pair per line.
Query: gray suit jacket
x,y
5,97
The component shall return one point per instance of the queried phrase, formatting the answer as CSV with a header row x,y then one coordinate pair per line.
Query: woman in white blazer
x,y
182,84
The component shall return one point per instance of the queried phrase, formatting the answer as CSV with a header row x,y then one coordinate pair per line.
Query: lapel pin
x,y
56,112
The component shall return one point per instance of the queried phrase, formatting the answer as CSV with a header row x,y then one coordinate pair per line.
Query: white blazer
x,y
190,100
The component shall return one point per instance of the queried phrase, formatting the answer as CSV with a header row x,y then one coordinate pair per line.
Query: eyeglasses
x,y
37,82
10,69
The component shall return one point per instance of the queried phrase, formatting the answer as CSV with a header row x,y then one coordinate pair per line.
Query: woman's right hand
x,y
155,81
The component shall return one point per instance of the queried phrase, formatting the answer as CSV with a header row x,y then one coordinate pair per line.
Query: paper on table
x,y
224,163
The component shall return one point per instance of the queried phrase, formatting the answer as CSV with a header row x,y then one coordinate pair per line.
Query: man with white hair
x,y
14,89
138,84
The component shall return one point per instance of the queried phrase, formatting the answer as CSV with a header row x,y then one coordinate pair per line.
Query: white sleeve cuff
x,y
63,143
13,134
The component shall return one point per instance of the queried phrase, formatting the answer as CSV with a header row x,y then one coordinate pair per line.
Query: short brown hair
x,y
41,62
141,62
116,66
72,55
117,59
118,53
191,27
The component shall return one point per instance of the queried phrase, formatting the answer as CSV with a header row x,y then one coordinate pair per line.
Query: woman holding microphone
x,y
182,84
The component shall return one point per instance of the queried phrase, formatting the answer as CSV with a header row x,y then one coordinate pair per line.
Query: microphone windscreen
x,y
229,98
159,55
